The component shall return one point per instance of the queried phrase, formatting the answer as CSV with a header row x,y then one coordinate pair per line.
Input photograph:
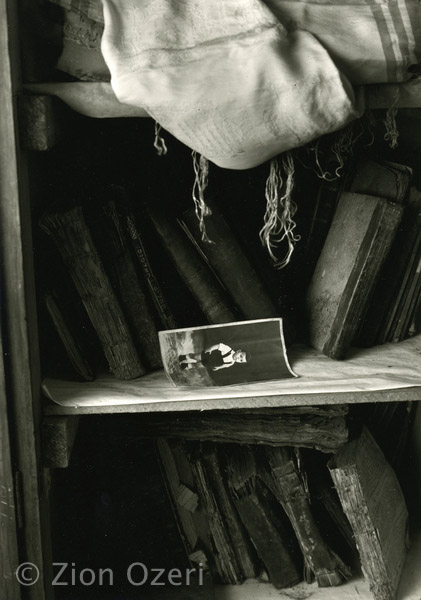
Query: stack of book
x,y
253,511
138,270
365,287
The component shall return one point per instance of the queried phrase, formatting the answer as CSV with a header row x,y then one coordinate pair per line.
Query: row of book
x,y
365,288
137,270
145,268
288,515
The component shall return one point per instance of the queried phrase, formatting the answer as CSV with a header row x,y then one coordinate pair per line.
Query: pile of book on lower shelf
x,y
286,506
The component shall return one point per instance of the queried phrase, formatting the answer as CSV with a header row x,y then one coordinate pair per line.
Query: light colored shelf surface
x,y
386,373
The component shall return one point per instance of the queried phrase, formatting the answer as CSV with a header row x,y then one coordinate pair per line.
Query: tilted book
x,y
289,488
264,519
399,272
384,179
355,249
215,468
113,246
211,297
69,231
373,501
224,554
230,263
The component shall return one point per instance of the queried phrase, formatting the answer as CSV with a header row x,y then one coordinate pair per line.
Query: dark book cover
x,y
290,488
349,265
264,519
230,263
373,501
112,243
211,297
69,231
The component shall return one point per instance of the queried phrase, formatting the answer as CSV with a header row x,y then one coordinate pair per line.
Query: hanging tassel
x,y
392,133
159,142
201,172
278,219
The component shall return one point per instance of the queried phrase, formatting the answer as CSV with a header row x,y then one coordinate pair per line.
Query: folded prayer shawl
x,y
371,41
225,78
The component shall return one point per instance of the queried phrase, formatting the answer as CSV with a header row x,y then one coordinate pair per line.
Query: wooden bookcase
x,y
24,412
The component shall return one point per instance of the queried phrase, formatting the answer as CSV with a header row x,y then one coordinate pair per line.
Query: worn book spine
x,y
232,266
385,179
124,278
162,307
290,489
240,541
69,231
264,519
343,282
211,297
372,500
178,492
390,289
224,555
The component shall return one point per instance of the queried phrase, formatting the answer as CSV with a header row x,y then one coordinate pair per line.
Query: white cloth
x,y
225,78
371,41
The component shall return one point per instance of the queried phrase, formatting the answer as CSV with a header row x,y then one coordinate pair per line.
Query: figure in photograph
x,y
215,357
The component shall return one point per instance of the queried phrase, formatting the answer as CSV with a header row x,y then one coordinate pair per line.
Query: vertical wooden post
x,y
9,559
18,311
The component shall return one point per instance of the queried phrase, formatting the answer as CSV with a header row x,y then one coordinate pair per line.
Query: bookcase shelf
x,y
154,393
97,99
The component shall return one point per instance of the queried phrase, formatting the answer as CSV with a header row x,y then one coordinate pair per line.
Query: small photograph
x,y
227,354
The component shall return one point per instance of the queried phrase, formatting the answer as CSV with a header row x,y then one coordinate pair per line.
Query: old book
x,y
214,466
399,269
384,179
142,253
226,558
288,485
355,249
201,516
205,288
319,427
373,501
69,231
227,258
113,247
264,519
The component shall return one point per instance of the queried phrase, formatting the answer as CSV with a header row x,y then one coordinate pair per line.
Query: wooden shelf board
x,y
97,99
155,393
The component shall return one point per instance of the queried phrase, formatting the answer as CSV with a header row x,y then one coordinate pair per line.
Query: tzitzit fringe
x,y
280,209
159,142
342,147
392,133
202,210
